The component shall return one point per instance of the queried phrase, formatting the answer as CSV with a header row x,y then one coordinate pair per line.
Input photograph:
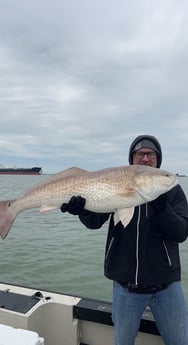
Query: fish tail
x,y
7,217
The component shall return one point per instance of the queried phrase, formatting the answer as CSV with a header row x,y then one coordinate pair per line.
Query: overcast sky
x,y
80,79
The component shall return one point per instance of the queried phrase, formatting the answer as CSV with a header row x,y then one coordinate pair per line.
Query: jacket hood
x,y
146,138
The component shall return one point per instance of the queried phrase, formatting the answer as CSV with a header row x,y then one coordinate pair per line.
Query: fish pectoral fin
x,y
126,193
47,208
124,215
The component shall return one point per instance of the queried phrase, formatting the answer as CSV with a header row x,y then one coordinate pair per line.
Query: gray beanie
x,y
146,141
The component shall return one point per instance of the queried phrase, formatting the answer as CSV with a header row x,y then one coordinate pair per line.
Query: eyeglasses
x,y
141,154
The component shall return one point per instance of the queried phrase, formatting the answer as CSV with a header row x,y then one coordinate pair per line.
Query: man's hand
x,y
158,205
75,205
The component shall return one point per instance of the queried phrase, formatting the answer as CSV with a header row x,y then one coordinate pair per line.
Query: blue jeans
x,y
168,308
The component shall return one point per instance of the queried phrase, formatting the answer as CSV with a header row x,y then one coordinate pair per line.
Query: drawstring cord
x,y
137,239
146,210
137,242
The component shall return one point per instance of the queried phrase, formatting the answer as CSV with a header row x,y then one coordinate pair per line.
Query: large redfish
x,y
117,190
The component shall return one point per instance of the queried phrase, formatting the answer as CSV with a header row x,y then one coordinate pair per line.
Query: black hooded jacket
x,y
146,252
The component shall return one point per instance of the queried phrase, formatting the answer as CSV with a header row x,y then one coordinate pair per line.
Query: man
x,y
143,258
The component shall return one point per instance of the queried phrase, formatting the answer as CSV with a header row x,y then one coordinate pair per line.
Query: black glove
x,y
158,205
75,206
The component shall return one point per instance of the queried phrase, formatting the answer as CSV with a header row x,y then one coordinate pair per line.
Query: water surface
x,y
54,251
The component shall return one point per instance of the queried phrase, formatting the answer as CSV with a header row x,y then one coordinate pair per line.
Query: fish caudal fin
x,y
7,217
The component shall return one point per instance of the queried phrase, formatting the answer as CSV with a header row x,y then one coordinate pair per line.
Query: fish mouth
x,y
174,183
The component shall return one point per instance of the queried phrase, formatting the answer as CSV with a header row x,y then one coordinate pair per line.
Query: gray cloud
x,y
80,79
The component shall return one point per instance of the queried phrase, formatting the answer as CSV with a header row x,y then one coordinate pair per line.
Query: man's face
x,y
145,156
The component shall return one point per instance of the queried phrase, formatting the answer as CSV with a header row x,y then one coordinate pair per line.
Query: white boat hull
x,y
60,319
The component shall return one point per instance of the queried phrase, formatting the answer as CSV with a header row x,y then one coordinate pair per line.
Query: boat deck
x,y
66,320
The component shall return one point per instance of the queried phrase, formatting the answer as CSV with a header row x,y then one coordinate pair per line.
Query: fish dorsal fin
x,y
71,172
124,215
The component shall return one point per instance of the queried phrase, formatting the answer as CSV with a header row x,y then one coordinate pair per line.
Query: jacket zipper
x,y
109,247
167,254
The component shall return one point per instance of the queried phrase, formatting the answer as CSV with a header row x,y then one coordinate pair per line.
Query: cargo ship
x,y
21,171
